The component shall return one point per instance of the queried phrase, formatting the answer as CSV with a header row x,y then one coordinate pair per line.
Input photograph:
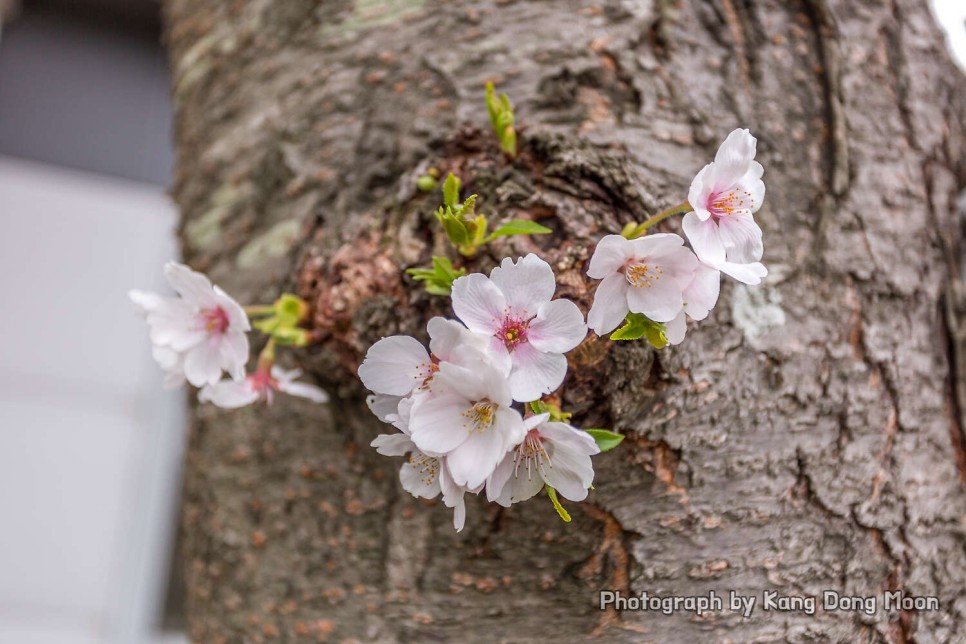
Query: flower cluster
x,y
202,335
658,277
456,406
470,411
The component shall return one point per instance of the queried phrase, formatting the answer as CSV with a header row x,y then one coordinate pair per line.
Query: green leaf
x,y
451,190
456,229
501,117
468,208
636,326
519,227
606,440
552,493
437,280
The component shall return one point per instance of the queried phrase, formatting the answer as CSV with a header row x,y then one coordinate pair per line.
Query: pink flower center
x,y
216,320
531,455
513,331
263,384
640,274
726,204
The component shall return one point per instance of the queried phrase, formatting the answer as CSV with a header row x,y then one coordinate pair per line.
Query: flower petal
x,y
611,253
233,352
478,303
741,238
535,373
420,476
383,406
570,473
304,390
704,238
437,424
564,435
659,300
656,245
610,304
733,158
144,301
676,329
558,327
194,287
475,459
174,323
202,363
392,444
702,293
750,274
526,283
237,318
228,394
395,365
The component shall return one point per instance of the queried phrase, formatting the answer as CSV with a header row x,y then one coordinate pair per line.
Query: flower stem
x,y
267,357
259,309
641,228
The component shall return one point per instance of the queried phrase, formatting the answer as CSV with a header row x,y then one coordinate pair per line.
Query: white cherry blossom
x,y
513,307
725,194
646,275
469,419
204,327
554,454
261,385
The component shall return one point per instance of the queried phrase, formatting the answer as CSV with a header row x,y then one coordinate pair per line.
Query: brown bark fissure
x,y
807,436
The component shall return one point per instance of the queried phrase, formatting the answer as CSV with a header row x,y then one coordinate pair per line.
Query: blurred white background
x,y
90,444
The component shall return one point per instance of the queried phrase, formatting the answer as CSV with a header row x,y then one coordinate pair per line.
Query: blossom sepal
x,y
637,326
281,320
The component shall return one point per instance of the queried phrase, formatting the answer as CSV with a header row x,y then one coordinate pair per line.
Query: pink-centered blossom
x,y
468,418
513,307
203,331
552,453
647,275
725,194
399,366
260,385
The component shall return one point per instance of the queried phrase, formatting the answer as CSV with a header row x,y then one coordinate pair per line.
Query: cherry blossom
x,y
469,419
260,385
513,307
725,194
646,275
203,331
554,454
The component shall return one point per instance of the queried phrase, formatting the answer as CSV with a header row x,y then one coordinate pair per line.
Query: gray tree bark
x,y
809,436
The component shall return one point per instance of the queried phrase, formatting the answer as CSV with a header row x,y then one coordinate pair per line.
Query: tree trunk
x,y
808,436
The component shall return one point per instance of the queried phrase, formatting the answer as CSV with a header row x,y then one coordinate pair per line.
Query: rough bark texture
x,y
809,436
